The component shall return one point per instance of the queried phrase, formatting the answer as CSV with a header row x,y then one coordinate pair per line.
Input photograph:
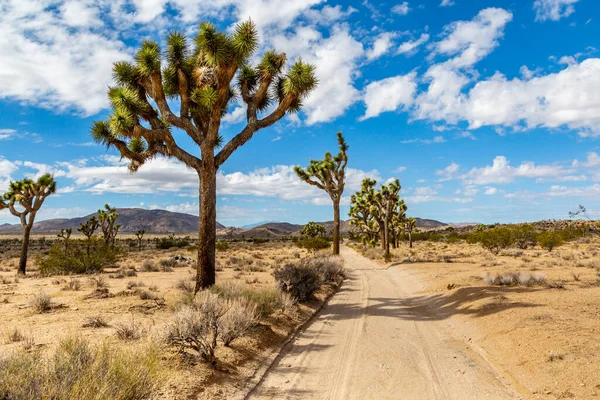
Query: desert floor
x,y
243,263
429,317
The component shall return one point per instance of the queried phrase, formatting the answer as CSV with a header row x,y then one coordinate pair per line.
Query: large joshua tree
x,y
201,78
30,196
328,174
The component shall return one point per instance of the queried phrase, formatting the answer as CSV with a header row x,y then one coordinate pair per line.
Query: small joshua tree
x,y
363,213
30,196
312,230
387,199
65,234
397,222
140,236
328,175
200,79
107,219
409,226
88,229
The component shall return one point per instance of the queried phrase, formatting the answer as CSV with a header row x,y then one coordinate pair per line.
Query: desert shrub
x,y
331,268
524,236
514,279
128,330
186,285
196,326
239,318
14,335
77,260
172,241
76,370
301,281
41,302
73,285
149,266
222,245
494,240
550,239
266,300
312,244
133,284
95,321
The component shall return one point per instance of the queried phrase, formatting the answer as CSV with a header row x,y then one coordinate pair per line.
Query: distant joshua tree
x,y
363,213
107,219
88,229
387,199
140,236
29,195
409,226
200,78
312,230
65,234
328,175
378,214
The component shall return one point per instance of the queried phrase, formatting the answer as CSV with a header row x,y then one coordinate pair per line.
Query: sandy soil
x,y
374,341
244,263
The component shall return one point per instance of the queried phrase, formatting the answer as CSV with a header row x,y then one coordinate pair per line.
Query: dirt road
x,y
377,339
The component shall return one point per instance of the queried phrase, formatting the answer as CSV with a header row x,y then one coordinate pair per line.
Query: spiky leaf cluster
x,y
371,209
28,194
329,173
200,74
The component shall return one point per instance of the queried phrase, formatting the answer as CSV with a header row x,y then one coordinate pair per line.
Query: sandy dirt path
x,y
372,342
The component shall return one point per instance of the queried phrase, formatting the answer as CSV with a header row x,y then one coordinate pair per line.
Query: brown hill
x,y
131,220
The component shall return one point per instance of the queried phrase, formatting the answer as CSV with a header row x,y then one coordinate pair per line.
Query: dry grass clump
x,y
14,335
186,285
95,321
128,330
266,300
72,285
41,303
514,279
200,326
149,266
75,370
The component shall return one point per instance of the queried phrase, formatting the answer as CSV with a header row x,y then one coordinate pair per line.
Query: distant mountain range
x,y
162,221
131,220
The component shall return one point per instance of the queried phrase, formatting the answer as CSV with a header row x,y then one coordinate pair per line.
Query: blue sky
x,y
485,110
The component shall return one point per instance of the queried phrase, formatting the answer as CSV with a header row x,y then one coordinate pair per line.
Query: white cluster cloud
x,y
6,169
383,42
410,46
56,59
401,8
389,94
553,9
501,172
7,133
167,176
336,59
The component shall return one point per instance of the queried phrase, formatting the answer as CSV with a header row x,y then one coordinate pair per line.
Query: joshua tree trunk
x,y
24,247
410,239
205,276
336,227
386,238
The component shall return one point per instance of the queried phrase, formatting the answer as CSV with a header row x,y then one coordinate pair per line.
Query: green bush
x,y
222,245
495,239
550,239
312,244
76,370
301,281
171,241
524,236
77,260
